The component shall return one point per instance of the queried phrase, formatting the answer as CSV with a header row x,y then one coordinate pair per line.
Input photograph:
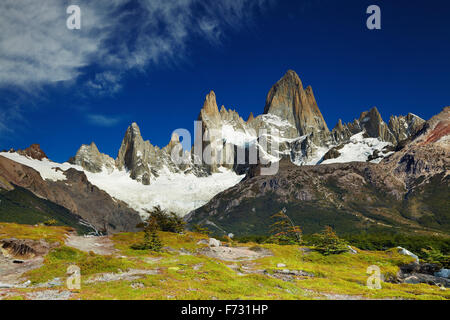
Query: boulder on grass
x,y
407,253
214,242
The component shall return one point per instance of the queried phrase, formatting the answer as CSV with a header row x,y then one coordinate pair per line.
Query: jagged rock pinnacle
x,y
210,105
288,100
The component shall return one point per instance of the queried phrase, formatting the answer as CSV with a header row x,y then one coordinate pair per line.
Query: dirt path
x,y
235,254
98,245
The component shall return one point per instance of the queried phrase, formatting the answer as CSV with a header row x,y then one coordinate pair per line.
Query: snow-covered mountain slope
x,y
177,192
360,149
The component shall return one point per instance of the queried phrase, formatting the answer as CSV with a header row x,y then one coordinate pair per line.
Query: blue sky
x,y
153,62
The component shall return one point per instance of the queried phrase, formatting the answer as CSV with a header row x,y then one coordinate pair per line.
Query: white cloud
x,y
102,120
36,48
105,83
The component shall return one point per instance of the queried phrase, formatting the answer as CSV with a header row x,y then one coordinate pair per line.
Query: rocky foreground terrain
x,y
37,262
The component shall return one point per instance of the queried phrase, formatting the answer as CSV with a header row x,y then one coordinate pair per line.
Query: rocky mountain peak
x,y
289,101
251,117
174,141
34,151
134,153
341,132
404,127
90,158
210,105
339,125
372,123
134,130
291,77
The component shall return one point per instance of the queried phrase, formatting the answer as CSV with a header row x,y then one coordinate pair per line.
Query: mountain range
x,y
363,175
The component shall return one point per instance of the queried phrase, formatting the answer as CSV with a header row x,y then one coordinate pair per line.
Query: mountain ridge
x,y
407,191
290,109
291,127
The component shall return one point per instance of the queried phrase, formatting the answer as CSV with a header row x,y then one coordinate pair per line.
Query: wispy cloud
x,y
116,36
36,47
102,120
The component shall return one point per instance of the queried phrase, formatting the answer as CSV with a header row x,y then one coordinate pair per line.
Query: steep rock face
x,y
427,155
292,126
96,206
288,100
138,156
92,160
34,151
76,194
404,127
341,132
220,132
399,128
372,123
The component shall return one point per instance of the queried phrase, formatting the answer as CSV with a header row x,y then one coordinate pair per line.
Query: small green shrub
x,y
51,222
202,230
327,242
432,255
283,230
151,241
167,221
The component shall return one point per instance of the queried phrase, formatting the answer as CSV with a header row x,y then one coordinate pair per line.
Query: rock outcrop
x,y
404,127
138,156
34,151
291,102
89,158
399,128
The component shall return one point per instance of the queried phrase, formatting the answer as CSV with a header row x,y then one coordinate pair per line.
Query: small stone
x,y
443,273
281,265
26,283
55,282
412,280
405,252
137,285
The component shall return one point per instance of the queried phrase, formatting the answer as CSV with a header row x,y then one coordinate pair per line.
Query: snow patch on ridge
x,y
358,149
177,192
47,169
